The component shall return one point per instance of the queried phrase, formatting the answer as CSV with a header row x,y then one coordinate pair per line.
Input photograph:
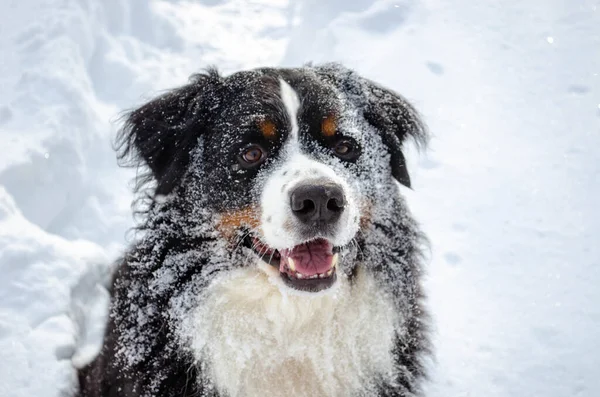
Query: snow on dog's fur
x,y
277,256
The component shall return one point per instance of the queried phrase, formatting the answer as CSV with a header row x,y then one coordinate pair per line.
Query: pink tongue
x,y
310,258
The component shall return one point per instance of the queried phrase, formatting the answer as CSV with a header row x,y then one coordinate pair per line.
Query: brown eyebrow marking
x,y
329,126
268,129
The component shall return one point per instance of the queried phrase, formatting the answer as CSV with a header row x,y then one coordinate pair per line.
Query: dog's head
x,y
294,163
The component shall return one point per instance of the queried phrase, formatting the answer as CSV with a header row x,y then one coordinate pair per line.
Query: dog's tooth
x,y
314,276
329,272
334,260
291,264
299,275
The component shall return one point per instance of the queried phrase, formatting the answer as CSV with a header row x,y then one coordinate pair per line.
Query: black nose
x,y
317,202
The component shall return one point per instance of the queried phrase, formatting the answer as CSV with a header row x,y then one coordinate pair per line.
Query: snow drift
x,y
508,195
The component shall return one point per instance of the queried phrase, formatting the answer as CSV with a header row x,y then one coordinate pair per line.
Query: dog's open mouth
x,y
310,266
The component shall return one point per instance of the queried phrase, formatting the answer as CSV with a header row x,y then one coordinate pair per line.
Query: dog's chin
x,y
309,267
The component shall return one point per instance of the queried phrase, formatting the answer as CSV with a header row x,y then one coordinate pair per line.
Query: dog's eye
x,y
252,156
346,150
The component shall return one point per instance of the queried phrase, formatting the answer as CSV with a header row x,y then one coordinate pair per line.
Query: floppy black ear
x,y
388,112
161,133
397,120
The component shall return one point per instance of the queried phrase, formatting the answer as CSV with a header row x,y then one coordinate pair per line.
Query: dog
x,y
277,256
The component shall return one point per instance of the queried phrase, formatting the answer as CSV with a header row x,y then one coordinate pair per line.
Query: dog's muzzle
x,y
305,227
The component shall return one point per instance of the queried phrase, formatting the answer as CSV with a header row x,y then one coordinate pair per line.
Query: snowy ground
x,y
508,194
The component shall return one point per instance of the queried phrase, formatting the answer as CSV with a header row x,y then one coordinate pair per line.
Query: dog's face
x,y
292,162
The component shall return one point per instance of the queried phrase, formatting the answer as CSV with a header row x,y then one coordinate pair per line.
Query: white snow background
x,y
509,193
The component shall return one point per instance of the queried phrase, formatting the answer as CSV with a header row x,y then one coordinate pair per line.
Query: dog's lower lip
x,y
311,284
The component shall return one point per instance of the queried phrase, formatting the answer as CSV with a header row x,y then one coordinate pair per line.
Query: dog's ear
x,y
397,120
161,133
392,115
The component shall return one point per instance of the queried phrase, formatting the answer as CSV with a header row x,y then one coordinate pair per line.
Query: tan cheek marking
x,y
230,223
268,129
329,126
366,213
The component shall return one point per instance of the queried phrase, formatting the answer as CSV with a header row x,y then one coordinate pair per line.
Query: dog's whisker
x,y
271,258
241,240
357,245
243,237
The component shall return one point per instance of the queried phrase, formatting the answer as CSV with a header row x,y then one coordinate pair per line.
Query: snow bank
x,y
508,194
68,69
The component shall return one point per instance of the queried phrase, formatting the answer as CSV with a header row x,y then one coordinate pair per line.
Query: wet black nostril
x,y
306,207
319,201
334,205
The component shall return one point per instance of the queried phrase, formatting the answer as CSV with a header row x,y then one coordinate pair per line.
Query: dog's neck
x,y
259,340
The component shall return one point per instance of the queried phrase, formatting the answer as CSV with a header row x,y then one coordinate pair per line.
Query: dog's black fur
x,y
187,139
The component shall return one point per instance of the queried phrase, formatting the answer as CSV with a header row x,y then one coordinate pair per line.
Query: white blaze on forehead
x,y
291,102
279,226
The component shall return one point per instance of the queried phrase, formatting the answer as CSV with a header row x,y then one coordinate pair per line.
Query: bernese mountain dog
x,y
277,256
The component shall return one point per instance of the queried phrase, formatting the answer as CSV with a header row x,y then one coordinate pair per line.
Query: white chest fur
x,y
258,341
